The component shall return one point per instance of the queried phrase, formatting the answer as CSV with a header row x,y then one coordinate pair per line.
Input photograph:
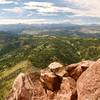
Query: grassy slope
x,y
8,75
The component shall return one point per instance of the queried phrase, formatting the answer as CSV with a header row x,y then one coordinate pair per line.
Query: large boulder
x,y
57,68
57,87
88,84
75,70
50,81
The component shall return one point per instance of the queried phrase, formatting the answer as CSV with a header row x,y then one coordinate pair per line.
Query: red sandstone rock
x,y
50,86
88,84
16,88
67,90
50,81
32,89
57,68
75,70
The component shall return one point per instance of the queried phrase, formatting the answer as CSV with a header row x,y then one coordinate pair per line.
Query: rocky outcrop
x,y
27,87
57,68
67,90
88,85
80,81
75,70
50,81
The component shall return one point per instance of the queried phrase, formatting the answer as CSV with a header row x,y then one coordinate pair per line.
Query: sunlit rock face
x,y
75,70
57,68
88,84
50,80
80,81
31,88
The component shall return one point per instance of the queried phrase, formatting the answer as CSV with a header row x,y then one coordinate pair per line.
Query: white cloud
x,y
40,6
29,14
86,7
46,14
45,8
14,10
5,2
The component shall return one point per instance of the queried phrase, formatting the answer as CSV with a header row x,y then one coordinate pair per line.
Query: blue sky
x,y
49,11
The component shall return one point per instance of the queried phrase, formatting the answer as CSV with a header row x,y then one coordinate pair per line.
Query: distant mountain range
x,y
12,27
52,29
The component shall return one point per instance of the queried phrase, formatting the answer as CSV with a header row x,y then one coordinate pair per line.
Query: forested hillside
x,y
42,50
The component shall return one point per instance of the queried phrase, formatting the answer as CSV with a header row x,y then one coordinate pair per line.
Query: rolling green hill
x,y
42,50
